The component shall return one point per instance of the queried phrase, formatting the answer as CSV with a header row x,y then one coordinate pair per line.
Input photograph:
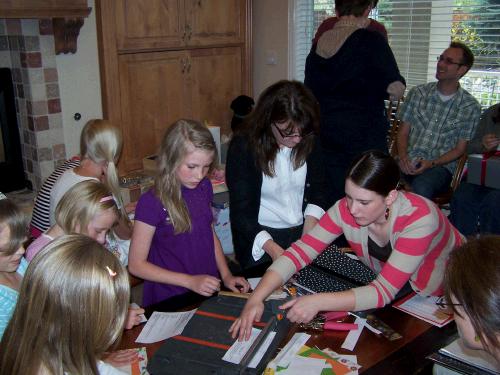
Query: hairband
x,y
107,198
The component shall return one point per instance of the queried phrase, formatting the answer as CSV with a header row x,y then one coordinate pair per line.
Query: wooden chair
x,y
391,110
445,198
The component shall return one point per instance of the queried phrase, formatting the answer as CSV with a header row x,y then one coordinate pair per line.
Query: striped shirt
x,y
436,126
40,220
421,238
8,299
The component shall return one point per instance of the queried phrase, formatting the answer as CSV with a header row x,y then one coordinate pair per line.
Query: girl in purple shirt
x,y
174,247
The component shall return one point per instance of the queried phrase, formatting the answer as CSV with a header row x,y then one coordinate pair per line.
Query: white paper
x,y
352,337
142,316
477,358
303,365
254,281
425,308
238,350
163,325
291,348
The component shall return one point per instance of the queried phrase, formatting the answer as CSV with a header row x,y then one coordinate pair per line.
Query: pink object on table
x,y
335,326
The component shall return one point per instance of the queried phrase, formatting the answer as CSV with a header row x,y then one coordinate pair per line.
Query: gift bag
x,y
334,271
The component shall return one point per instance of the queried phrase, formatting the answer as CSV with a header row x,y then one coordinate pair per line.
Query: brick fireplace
x,y
27,48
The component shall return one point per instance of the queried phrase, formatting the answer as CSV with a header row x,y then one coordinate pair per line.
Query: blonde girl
x,y
174,247
13,231
72,308
88,208
100,148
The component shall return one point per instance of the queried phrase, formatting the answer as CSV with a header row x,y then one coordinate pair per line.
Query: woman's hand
x,y
490,142
121,358
236,284
303,309
242,327
205,285
134,317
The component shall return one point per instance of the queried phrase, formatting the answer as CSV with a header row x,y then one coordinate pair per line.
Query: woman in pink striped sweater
x,y
401,236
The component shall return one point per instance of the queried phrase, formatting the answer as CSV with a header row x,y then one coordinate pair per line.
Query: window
x,y
419,30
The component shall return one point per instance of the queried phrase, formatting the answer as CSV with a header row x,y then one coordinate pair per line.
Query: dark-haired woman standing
x,y
401,236
275,176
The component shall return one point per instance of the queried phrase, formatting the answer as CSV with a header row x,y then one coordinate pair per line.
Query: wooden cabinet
x,y
165,60
157,24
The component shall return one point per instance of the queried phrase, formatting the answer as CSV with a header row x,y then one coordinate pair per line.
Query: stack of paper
x,y
424,308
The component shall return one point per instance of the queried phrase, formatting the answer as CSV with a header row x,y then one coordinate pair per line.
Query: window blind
x,y
419,30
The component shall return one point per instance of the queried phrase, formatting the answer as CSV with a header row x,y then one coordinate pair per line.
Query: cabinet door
x,y
152,93
211,22
149,24
214,79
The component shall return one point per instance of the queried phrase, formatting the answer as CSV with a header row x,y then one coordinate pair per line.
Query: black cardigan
x,y
244,180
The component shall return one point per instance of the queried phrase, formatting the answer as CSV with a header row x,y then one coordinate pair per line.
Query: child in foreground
x,y
174,247
72,308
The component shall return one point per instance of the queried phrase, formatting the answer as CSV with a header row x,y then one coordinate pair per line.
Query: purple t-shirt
x,y
192,252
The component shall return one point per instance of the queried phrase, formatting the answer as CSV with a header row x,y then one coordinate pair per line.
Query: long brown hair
x,y
281,102
473,279
72,307
176,143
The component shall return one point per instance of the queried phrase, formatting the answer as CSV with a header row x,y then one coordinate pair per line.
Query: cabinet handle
x,y
183,68
188,66
189,32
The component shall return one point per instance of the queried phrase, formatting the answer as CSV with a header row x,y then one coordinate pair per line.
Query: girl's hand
x,y
303,309
121,358
236,284
205,285
242,327
133,317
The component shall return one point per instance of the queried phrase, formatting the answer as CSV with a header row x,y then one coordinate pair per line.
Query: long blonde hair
x,y
71,308
174,147
80,204
102,142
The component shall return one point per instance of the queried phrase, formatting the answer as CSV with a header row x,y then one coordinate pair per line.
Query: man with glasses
x,y
437,121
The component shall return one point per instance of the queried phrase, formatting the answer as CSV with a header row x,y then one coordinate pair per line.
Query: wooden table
x,y
375,353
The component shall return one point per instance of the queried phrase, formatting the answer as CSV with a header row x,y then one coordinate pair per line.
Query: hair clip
x,y
2,196
105,199
111,272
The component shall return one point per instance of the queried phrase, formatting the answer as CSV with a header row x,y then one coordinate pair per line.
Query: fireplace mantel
x,y
67,18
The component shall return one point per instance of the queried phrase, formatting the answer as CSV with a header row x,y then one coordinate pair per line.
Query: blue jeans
x,y
475,209
431,182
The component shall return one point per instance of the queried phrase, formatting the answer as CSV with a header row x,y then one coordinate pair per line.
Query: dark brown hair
x,y
280,102
16,220
352,7
375,171
473,279
467,55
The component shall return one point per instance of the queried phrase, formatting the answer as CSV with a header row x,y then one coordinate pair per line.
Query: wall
x,y
79,84
270,42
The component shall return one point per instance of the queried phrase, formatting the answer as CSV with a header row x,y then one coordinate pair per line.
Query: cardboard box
x,y
486,173
149,164
135,184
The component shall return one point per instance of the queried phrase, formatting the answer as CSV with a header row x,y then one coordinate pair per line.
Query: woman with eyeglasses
x,y
275,176
472,290
404,238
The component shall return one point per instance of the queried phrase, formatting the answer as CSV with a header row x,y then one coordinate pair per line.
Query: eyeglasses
x,y
291,134
442,303
448,61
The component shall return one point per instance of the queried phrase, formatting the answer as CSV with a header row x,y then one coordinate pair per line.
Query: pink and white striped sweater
x,y
421,238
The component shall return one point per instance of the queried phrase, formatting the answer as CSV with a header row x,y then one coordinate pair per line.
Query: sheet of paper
x,y
163,325
291,348
238,350
142,316
424,308
353,336
301,365
254,281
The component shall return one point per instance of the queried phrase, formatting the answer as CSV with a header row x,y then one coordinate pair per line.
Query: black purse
x,y
333,271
